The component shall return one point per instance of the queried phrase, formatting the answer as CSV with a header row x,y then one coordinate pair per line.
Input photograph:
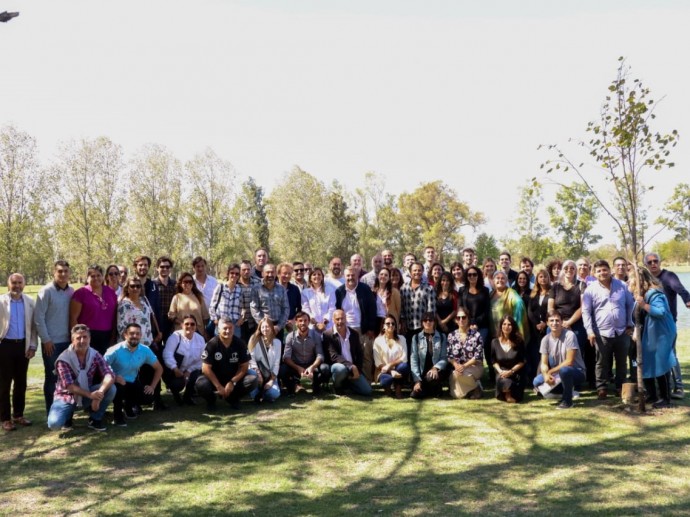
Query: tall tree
x,y
485,246
249,228
155,222
24,203
208,206
431,215
676,215
624,146
300,222
91,173
573,217
345,234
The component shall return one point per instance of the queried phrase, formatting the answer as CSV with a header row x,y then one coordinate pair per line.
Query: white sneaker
x,y
554,396
576,395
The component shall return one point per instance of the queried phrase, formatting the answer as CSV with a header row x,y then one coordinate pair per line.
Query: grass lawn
x,y
305,456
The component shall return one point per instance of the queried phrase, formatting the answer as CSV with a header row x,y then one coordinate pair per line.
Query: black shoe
x,y
178,398
131,413
189,401
159,405
120,422
662,404
235,404
97,425
564,405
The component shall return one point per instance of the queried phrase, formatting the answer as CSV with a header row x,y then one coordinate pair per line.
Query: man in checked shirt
x,y
417,297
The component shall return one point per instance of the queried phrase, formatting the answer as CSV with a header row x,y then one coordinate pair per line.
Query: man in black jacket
x,y
346,355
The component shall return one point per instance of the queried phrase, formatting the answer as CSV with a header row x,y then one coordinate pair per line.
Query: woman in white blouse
x,y
182,356
265,351
318,300
390,357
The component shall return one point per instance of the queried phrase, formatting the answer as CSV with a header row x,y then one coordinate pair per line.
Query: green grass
x,y
338,454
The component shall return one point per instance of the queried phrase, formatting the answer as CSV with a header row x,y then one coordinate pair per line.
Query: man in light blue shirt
x,y
125,359
607,306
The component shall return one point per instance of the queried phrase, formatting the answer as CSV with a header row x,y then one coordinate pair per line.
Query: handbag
x,y
264,368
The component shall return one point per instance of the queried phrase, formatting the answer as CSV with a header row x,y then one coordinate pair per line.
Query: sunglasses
x,y
389,324
472,275
427,321
187,281
114,273
164,266
299,270
134,286
651,262
461,317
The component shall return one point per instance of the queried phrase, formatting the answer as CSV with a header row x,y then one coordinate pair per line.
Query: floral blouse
x,y
462,351
128,313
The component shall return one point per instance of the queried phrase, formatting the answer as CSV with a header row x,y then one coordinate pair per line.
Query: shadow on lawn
x,y
408,456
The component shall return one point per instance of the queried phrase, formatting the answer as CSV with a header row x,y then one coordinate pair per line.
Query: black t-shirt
x,y
225,361
566,302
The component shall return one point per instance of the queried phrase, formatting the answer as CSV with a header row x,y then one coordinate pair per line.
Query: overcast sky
x,y
414,91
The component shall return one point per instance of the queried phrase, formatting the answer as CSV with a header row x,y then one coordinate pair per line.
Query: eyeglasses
x,y
299,270
461,317
389,324
472,275
187,281
134,286
654,261
167,266
427,321
114,273
234,273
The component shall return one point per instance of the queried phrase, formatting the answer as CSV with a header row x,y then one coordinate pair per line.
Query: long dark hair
x,y
514,337
522,290
195,289
451,283
389,316
480,277
389,286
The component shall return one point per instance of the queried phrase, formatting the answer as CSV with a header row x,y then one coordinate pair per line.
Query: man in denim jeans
x,y
560,355
347,356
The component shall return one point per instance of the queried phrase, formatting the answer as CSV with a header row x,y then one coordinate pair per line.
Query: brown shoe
x,y
398,391
20,420
602,394
7,425
509,397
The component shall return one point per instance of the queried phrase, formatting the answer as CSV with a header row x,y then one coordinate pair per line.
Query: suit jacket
x,y
331,342
30,330
367,306
439,355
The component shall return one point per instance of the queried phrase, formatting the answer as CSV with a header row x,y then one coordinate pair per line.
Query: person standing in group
x,y
607,306
51,317
204,282
318,301
166,290
246,282
537,313
95,305
112,279
416,299
672,288
188,300
654,317
227,301
18,344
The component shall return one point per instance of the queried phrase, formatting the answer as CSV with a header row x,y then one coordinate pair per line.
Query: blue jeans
x,y
570,377
60,411
340,377
270,394
50,377
386,379
675,371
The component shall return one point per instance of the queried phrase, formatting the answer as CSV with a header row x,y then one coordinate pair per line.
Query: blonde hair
x,y
256,336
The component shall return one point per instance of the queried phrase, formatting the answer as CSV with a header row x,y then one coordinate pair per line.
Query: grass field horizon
x,y
334,455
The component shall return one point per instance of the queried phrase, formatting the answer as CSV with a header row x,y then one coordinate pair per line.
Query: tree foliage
x,y
431,215
676,215
530,237
624,146
486,246
573,218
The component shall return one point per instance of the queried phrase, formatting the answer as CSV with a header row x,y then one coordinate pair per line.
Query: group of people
x,y
266,330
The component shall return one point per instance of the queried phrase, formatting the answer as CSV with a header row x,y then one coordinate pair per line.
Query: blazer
x,y
439,355
367,306
331,341
30,330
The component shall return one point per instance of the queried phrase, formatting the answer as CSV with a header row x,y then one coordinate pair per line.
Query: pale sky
x,y
414,91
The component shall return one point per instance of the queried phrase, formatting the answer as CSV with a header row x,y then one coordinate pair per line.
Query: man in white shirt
x,y
204,282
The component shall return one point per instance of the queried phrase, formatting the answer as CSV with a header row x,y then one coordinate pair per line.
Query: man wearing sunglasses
x,y
672,288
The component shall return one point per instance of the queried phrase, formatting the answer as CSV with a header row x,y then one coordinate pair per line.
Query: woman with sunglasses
x,y
476,299
135,308
508,361
227,301
390,357
188,300
465,356
565,297
182,357
112,279
95,305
